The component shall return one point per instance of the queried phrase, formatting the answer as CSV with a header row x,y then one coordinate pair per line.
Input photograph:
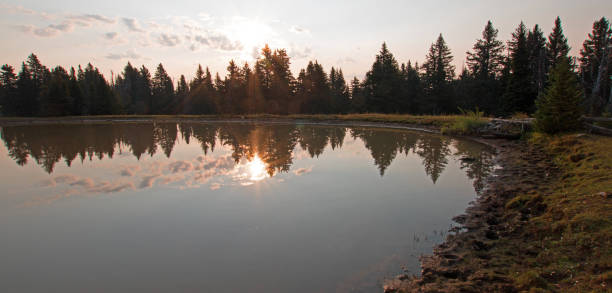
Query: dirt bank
x,y
542,225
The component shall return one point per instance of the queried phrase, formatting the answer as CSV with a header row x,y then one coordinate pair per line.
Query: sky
x,y
345,34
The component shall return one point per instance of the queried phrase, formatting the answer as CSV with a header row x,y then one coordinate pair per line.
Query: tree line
x,y
498,78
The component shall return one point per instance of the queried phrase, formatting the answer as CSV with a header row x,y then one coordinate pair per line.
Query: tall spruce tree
x,y
485,62
557,46
538,59
382,84
559,107
411,88
8,90
520,92
437,77
595,61
162,89
339,92
482,87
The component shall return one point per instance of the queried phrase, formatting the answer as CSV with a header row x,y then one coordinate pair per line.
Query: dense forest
x,y
499,78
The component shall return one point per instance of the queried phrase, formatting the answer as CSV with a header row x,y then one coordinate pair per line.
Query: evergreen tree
x,y
357,97
557,46
26,103
520,91
482,87
162,90
437,77
559,108
485,62
59,99
595,60
538,62
75,92
382,84
339,92
182,90
144,103
8,90
411,88
99,97
313,89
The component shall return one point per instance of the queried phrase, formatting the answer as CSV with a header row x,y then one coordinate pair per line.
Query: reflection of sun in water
x,y
257,169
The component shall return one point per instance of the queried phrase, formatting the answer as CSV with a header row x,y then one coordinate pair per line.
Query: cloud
x,y
302,171
168,40
299,53
21,10
180,166
346,60
132,24
111,35
85,182
130,54
48,31
129,170
87,19
217,41
148,181
111,187
299,30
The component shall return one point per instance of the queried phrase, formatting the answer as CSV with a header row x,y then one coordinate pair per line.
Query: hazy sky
x,y
345,34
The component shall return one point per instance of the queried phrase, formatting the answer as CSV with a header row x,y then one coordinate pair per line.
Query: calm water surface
x,y
166,207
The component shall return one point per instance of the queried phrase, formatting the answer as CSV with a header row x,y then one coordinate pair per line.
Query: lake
x,y
225,207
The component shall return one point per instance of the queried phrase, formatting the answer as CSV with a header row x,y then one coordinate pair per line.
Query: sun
x,y
257,169
250,32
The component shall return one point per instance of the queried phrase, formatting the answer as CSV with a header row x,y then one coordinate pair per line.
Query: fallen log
x,y
598,129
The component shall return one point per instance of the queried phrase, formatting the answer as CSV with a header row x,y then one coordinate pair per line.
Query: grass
x,y
467,124
571,241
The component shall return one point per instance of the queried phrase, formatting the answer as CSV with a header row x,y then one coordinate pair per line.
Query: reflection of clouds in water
x,y
178,173
129,170
302,171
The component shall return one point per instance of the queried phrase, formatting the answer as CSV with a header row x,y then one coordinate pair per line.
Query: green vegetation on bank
x,y
567,243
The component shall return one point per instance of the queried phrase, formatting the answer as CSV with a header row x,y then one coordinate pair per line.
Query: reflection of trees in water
x,y
434,151
273,144
477,161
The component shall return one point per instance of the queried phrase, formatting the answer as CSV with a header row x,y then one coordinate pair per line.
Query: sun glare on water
x,y
257,169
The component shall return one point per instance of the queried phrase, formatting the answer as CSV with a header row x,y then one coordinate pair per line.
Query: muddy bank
x,y
467,260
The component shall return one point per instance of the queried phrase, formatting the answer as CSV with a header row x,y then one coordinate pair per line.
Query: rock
x,y
604,194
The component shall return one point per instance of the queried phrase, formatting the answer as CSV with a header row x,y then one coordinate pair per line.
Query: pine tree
x,y
520,91
8,90
485,62
559,108
411,88
162,89
339,92
26,103
482,87
182,90
595,60
382,84
357,97
59,100
557,46
538,62
437,77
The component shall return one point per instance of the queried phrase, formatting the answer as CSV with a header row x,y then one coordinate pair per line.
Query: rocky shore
x,y
465,262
